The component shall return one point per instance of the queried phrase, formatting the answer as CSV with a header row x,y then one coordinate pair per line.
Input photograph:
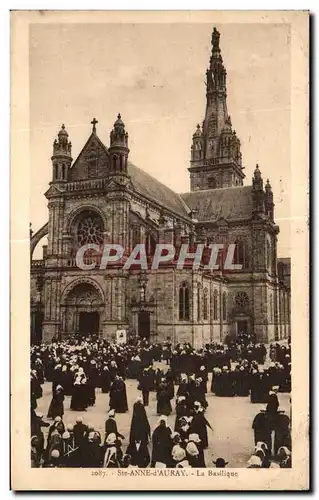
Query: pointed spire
x,y
198,131
63,135
62,146
268,187
257,179
257,173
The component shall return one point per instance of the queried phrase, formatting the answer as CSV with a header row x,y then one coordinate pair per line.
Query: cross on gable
x,y
94,122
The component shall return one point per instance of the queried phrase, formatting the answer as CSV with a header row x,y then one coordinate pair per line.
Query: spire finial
x,y
94,122
119,116
215,39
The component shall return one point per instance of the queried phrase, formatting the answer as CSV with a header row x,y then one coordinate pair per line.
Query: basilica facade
x,y
102,198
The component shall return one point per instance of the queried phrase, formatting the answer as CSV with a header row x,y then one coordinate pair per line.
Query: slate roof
x,y
148,186
231,203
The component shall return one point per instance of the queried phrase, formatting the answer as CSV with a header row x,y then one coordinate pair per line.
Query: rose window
x,y
242,300
90,230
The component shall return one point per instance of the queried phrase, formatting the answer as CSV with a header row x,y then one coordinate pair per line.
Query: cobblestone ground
x,y
230,418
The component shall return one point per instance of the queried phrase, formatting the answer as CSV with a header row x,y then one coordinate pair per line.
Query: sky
x,y
154,74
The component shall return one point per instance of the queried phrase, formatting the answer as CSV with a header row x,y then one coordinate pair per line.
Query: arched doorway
x,y
83,310
144,324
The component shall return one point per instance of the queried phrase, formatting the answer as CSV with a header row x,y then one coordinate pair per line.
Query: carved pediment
x,y
54,191
222,222
92,162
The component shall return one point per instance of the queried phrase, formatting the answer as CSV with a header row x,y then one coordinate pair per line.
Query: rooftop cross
x,y
94,122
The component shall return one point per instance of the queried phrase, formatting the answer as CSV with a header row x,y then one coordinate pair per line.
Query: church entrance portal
x,y
83,310
144,324
242,327
89,323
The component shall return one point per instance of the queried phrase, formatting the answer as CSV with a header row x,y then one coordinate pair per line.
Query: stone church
x,y
101,197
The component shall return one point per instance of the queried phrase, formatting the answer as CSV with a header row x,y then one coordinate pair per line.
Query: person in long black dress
x,y
140,428
118,397
78,399
162,442
105,380
111,426
164,406
56,408
199,424
261,428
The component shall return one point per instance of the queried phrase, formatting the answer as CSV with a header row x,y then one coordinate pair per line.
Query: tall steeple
x,y
215,153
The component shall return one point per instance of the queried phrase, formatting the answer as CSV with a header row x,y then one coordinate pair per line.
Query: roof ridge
x,y
214,189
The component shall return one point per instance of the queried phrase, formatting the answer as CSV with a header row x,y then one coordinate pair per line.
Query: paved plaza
x,y
230,418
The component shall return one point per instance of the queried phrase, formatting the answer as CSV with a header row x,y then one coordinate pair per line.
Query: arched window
x,y
216,315
150,244
268,254
114,163
199,302
184,302
284,307
63,170
271,308
121,163
280,271
89,228
212,183
205,304
136,236
241,254
56,167
224,306
92,168
242,300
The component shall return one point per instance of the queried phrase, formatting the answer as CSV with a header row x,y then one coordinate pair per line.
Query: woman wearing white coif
x,y
179,457
110,458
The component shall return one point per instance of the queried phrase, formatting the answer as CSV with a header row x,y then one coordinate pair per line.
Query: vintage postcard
x,y
159,250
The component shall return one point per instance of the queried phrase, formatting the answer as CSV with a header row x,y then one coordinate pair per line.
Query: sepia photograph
x,y
164,244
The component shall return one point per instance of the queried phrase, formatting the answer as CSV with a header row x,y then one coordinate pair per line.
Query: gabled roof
x,y
231,203
141,182
148,186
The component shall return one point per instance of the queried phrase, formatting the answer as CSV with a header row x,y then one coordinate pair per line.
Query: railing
x,y
37,264
86,185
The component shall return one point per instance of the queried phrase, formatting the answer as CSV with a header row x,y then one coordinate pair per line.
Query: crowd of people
x,y
80,367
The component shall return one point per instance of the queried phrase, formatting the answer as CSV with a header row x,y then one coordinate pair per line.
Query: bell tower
x,y
216,160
